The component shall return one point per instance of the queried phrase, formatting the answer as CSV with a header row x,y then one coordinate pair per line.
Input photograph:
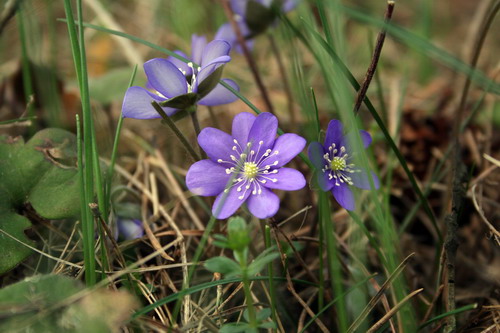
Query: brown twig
x,y
459,190
248,56
375,58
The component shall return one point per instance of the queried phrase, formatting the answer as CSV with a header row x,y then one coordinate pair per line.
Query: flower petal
x,y
316,152
214,50
206,178
288,5
344,196
361,179
366,138
239,7
263,130
242,123
217,144
226,204
198,43
137,104
220,95
324,182
333,133
165,77
263,205
287,179
130,228
211,67
288,146
181,64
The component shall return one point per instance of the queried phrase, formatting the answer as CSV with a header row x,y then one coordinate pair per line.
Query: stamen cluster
x,y
251,170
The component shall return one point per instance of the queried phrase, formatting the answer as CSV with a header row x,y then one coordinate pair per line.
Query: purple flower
x,y
253,18
129,229
336,170
252,157
181,85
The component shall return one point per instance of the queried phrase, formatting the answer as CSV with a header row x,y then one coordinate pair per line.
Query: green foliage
x,y
224,266
37,304
42,174
262,315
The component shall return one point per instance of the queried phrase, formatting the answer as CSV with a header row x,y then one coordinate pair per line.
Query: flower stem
x,y
196,125
176,131
246,287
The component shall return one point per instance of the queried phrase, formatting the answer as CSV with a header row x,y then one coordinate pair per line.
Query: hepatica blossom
x,y
177,85
246,166
253,18
334,163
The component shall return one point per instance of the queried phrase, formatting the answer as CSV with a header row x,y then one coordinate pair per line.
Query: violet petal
x,y
181,64
239,7
344,196
288,146
220,95
198,43
137,104
242,123
217,144
226,204
361,180
210,68
366,138
287,179
263,205
214,50
324,182
165,77
333,133
316,152
206,178
263,130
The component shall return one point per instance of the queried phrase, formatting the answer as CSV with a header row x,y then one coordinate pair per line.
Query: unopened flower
x,y
334,163
129,228
177,85
246,166
253,18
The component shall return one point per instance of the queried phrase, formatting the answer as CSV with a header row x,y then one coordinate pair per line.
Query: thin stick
x,y
248,56
392,312
375,58
176,131
459,178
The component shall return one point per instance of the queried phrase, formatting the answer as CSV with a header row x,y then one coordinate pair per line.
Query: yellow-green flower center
x,y
250,170
338,163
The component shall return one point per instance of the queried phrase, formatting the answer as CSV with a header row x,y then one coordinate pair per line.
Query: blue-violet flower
x,y
253,18
181,85
336,170
129,228
246,166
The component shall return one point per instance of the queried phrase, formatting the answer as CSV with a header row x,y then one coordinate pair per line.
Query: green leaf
x,y
268,325
261,315
37,305
42,174
223,265
262,260
234,328
207,85
238,234
181,102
